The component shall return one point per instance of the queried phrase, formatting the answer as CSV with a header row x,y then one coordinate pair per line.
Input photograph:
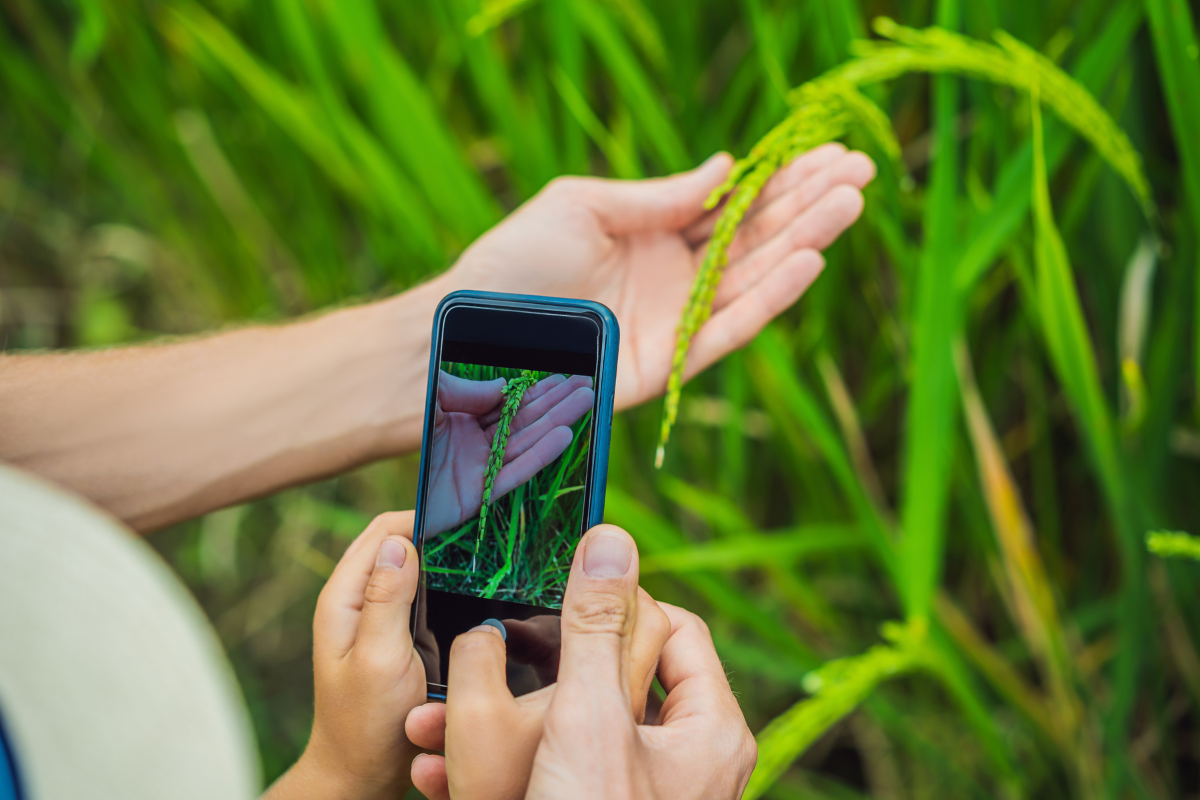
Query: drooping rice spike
x,y
826,108
513,391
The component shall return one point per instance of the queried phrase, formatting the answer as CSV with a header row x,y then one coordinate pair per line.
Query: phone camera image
x,y
508,465
506,481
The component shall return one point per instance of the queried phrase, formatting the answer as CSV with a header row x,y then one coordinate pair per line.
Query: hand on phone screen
x,y
464,425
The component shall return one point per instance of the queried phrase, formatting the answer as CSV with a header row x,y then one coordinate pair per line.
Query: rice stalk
x,y
836,689
822,111
828,107
513,391
1173,544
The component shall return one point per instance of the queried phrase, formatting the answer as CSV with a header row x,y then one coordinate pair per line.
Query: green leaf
x,y
838,688
754,549
1178,55
636,90
932,410
1173,544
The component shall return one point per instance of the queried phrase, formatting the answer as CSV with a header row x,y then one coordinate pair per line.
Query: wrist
x,y
393,338
320,775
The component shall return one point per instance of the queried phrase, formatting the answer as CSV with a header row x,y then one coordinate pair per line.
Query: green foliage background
x,y
530,535
170,167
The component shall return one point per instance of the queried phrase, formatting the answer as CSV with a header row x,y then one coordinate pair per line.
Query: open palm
x,y
635,246
464,425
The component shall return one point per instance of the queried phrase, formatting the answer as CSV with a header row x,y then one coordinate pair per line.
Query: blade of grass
x,y
837,688
644,102
1073,356
567,44
931,411
655,535
1037,611
756,549
770,363
987,236
619,159
1177,53
404,116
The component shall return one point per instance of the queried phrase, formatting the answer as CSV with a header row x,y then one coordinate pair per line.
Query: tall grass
x,y
963,432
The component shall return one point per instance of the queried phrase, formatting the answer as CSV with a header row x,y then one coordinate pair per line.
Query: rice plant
x,y
513,391
968,423
824,109
1171,544
519,547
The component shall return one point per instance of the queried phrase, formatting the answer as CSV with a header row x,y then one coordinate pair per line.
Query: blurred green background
x,y
168,168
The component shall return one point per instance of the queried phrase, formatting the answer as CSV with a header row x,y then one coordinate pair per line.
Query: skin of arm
x,y
157,434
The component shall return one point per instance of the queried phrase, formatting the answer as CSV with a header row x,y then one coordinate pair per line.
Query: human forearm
x,y
158,434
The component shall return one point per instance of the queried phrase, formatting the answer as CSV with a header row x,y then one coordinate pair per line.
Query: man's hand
x,y
161,434
490,737
367,675
588,737
635,246
464,425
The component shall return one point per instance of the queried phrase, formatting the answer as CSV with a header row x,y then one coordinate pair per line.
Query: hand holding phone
x,y
513,468
490,736
584,737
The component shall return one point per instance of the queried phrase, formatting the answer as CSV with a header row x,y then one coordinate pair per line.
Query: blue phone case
x,y
605,387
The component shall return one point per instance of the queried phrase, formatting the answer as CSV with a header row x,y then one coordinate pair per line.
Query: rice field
x,y
936,515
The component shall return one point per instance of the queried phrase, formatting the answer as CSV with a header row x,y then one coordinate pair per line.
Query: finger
x,y
690,670
598,615
669,203
466,396
480,710
428,775
816,228
796,173
426,726
650,631
567,412
340,605
531,394
535,459
383,632
782,181
476,684
540,406
735,325
852,169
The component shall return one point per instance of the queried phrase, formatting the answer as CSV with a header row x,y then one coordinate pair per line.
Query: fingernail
x,y
608,555
491,628
391,554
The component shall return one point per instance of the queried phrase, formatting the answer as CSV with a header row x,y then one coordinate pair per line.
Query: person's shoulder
x,y
108,665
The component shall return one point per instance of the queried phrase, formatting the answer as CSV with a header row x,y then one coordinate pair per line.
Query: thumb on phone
x,y
598,615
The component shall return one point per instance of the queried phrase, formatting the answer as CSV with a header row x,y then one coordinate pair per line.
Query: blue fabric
x,y
10,784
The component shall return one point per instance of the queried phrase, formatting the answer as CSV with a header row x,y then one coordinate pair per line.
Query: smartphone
x,y
514,457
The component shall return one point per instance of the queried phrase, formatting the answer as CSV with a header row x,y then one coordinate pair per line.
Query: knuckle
x,y
484,713
384,586
698,621
374,661
748,752
600,613
563,188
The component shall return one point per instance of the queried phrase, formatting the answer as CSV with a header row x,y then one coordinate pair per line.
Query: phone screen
x,y
506,482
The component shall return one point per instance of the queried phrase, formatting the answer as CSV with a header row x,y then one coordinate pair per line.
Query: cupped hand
x,y
490,737
635,246
464,425
367,675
